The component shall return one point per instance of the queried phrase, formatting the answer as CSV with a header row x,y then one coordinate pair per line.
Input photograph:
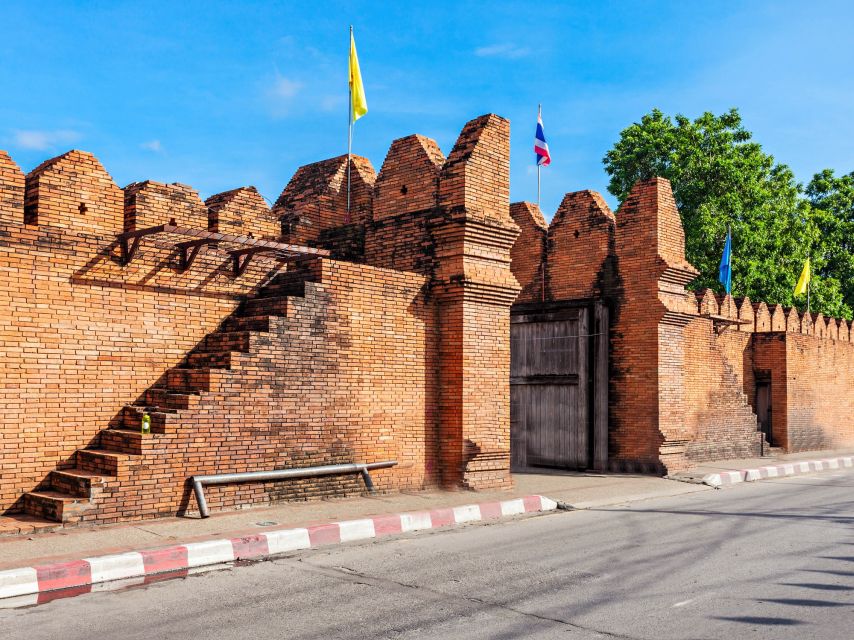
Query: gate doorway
x,y
763,408
559,387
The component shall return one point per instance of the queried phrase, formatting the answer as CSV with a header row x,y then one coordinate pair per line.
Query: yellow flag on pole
x,y
358,101
804,280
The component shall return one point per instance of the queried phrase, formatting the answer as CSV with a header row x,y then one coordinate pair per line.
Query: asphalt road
x,y
766,560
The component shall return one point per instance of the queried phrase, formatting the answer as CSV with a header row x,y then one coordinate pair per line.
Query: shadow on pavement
x,y
760,620
816,585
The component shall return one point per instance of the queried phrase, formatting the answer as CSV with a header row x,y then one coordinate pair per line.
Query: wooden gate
x,y
558,387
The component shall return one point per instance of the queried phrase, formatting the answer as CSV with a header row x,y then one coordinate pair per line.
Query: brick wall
x,y
330,361
353,376
82,336
683,366
811,381
528,254
315,199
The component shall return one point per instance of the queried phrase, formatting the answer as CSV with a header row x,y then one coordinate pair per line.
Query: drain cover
x,y
266,523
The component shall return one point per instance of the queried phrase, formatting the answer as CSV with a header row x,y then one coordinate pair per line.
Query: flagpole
x,y
729,237
809,285
539,115
349,120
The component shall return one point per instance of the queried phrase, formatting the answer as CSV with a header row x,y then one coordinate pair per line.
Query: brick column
x,y
648,344
473,234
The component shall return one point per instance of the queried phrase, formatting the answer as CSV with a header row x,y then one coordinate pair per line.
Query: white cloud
x,y
44,140
285,88
280,94
507,50
332,102
152,145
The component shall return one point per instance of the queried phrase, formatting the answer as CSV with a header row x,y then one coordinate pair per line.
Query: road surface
x,y
765,560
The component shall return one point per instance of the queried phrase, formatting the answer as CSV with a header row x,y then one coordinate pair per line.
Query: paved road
x,y
767,560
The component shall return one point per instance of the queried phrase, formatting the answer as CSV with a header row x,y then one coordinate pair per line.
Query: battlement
x,y
147,299
760,318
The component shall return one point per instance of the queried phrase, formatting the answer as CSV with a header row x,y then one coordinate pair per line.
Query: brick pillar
x,y
648,431
473,234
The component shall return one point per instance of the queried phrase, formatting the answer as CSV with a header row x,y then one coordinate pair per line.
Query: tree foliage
x,y
832,200
721,177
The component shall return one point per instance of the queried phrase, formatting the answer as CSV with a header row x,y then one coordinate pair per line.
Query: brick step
x,y
75,482
213,360
196,379
20,523
167,400
128,441
260,323
271,306
281,287
161,420
105,461
228,341
55,505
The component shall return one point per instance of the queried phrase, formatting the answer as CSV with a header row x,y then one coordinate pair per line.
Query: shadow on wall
x,y
427,314
105,270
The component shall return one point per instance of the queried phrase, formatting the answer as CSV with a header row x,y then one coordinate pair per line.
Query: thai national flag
x,y
541,147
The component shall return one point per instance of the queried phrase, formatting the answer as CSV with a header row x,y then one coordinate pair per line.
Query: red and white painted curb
x,y
39,584
777,471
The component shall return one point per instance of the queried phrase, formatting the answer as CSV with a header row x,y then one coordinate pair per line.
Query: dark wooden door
x,y
763,407
550,390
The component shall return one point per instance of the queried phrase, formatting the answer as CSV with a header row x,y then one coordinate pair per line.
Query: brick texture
x,y
683,366
382,352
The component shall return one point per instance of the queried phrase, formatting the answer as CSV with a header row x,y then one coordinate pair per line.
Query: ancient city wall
x,y
384,355
683,367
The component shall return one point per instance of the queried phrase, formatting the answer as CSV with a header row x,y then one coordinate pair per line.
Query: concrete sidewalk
x,y
573,489
724,467
579,490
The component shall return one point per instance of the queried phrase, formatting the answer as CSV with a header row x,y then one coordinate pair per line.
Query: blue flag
x,y
725,268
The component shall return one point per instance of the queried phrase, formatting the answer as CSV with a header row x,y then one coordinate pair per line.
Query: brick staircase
x,y
733,406
101,471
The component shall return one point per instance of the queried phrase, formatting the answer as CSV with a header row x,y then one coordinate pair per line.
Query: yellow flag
x,y
358,101
804,280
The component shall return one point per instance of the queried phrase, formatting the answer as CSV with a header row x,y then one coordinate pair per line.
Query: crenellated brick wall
x,y
286,364
683,366
395,346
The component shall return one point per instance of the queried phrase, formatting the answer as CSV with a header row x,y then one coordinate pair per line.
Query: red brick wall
x,y
811,382
529,251
409,178
83,336
683,366
576,248
329,362
315,199
720,421
581,236
241,212
149,203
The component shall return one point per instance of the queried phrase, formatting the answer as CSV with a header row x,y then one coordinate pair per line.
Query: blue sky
x,y
224,94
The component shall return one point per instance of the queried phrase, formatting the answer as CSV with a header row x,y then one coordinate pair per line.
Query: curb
x,y
36,583
726,478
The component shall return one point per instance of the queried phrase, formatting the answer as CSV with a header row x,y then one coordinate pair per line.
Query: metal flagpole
x,y
809,285
539,116
349,118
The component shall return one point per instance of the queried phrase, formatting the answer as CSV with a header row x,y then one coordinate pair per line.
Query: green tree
x,y
832,200
721,177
